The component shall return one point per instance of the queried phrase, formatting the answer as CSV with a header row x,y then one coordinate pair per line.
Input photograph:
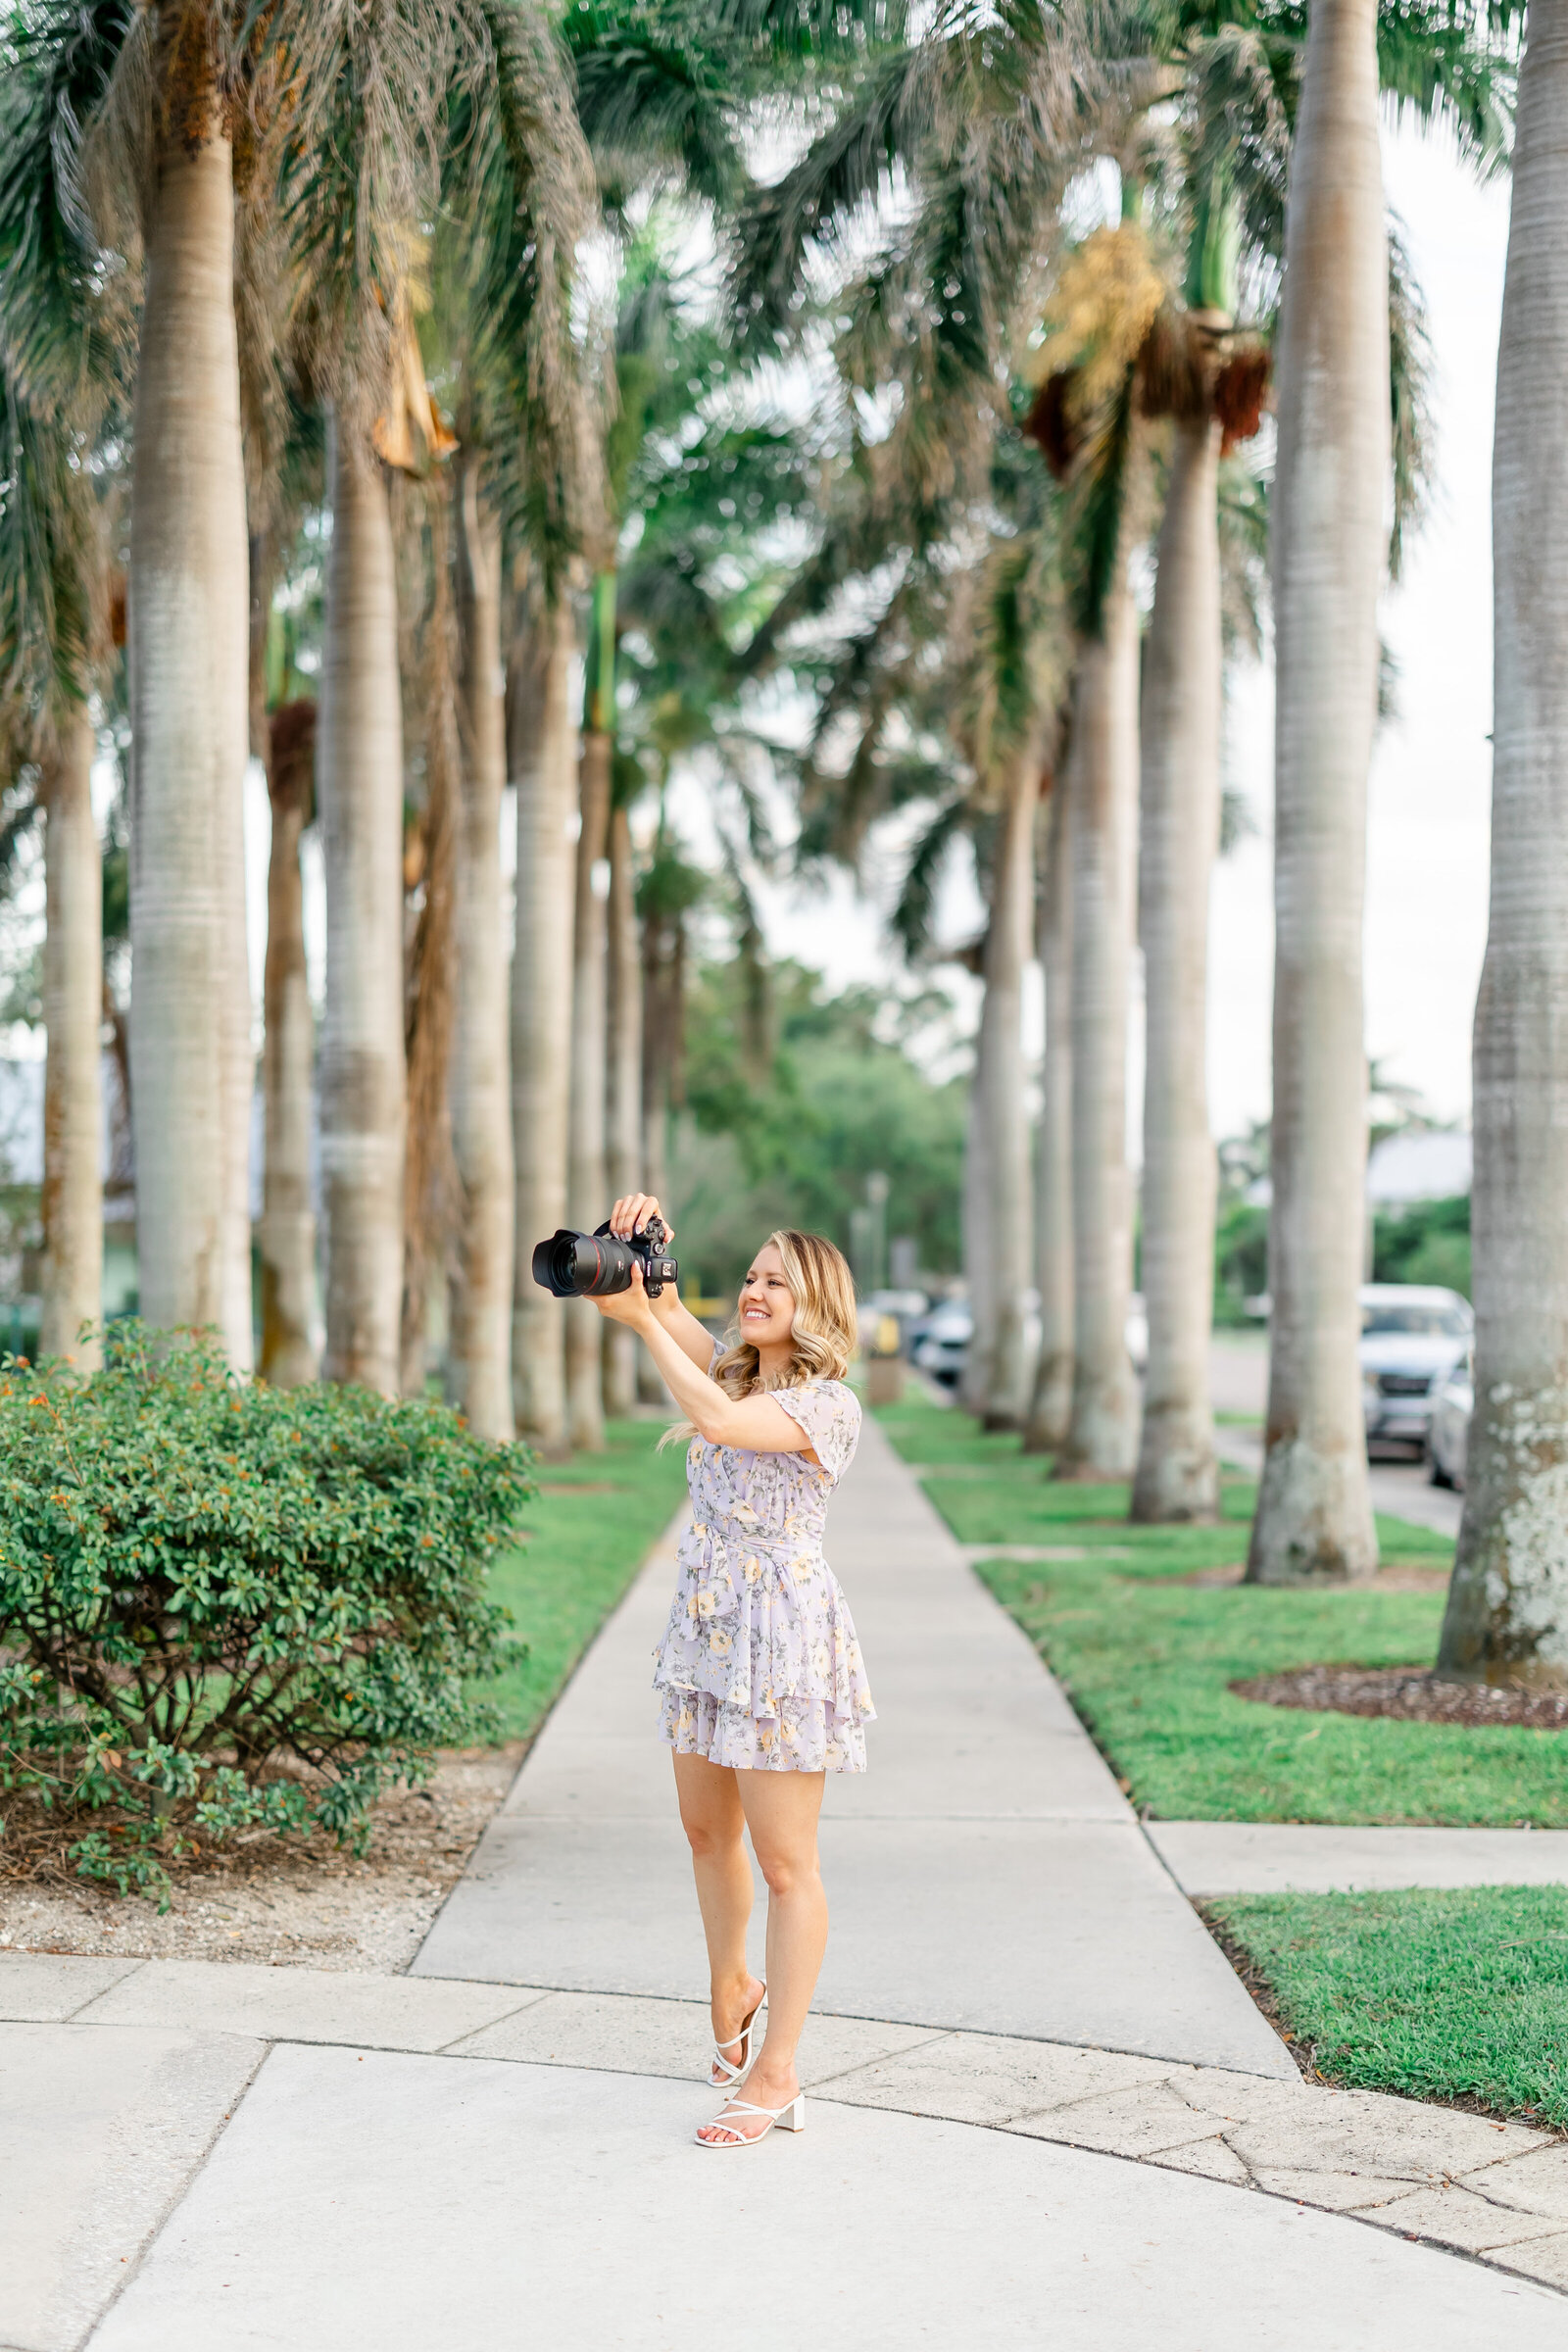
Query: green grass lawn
x,y
588,1534
1147,1659
1458,1994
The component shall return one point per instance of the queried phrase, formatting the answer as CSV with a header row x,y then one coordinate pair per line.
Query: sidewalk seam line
x,y
134,2266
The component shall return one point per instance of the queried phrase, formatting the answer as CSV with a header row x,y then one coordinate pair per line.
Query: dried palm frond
x,y
1175,365
1053,425
1240,390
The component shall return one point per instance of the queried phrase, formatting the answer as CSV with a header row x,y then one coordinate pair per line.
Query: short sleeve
x,y
830,1416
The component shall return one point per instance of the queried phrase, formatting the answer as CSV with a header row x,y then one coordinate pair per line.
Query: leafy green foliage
x,y
1457,1994
1241,1261
1428,1241
227,1607
834,1101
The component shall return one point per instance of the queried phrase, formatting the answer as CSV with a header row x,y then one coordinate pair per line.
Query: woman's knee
x,y
786,1869
709,1837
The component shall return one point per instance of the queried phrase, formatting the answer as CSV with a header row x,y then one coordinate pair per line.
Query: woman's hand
x,y
632,1308
631,1213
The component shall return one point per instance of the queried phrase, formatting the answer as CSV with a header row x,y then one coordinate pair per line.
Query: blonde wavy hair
x,y
824,1333
823,1337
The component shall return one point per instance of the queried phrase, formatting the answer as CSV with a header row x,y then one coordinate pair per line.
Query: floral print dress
x,y
759,1667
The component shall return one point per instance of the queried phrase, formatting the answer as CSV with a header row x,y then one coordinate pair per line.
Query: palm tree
x,y
1507,1615
1103,303
624,1106
1177,1474
1314,1518
287,1236
1207,384
1051,1406
1315,1513
408,119
73,1106
360,791
1009,941
1103,800
282,726
1004,743
518,195
63,339
543,767
190,1052
668,889
480,1346
586,1197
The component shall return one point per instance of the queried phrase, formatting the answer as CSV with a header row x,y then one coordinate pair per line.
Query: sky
x,y
1426,830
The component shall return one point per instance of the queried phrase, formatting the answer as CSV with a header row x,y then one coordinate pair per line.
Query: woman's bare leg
x,y
781,1811
711,1816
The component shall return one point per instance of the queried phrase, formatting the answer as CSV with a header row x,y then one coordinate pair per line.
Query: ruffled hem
x,y
811,1737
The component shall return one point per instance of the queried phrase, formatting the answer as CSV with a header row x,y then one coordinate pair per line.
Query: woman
x,y
760,1675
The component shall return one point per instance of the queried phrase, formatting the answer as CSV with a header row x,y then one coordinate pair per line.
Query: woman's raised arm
x,y
694,1339
756,1423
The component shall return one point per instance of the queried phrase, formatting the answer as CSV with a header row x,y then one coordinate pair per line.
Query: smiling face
x,y
767,1303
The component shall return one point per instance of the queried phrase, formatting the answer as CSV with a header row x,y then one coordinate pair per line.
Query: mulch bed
x,y
1399,1579
1406,1691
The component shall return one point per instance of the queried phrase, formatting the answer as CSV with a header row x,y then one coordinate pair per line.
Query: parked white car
x,y
1412,1337
939,1343
1448,1437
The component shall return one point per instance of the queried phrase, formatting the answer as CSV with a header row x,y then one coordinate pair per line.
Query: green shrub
x,y
227,1606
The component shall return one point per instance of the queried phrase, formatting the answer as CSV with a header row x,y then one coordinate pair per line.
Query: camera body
x,y
598,1264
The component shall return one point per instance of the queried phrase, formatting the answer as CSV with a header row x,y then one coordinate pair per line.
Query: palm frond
x,y
912,918
1409,396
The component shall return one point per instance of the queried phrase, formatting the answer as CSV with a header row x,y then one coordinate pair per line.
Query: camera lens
x,y
583,1266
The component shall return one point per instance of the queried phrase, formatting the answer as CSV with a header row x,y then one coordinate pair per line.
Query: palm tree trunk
x,y
431,664
1507,1614
72,1011
1314,1514
190,1050
1176,1476
978,1237
589,1205
1102,783
285,741
1051,1408
660,1003
624,1106
360,797
663,1020
480,1353
544,766
1008,940
287,1234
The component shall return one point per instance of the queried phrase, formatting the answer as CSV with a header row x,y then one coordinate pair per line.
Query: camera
x,y
598,1264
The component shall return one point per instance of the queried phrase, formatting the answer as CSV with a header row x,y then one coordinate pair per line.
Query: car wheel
x,y
1437,1476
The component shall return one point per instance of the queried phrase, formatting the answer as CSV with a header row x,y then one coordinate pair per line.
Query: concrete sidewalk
x,y
326,2159
1277,1857
987,1873
1041,2106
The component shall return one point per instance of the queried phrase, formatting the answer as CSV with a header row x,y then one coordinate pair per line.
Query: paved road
x,y
1239,1384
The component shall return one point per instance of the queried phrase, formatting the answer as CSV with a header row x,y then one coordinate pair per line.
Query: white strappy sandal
x,y
733,2070
789,2118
